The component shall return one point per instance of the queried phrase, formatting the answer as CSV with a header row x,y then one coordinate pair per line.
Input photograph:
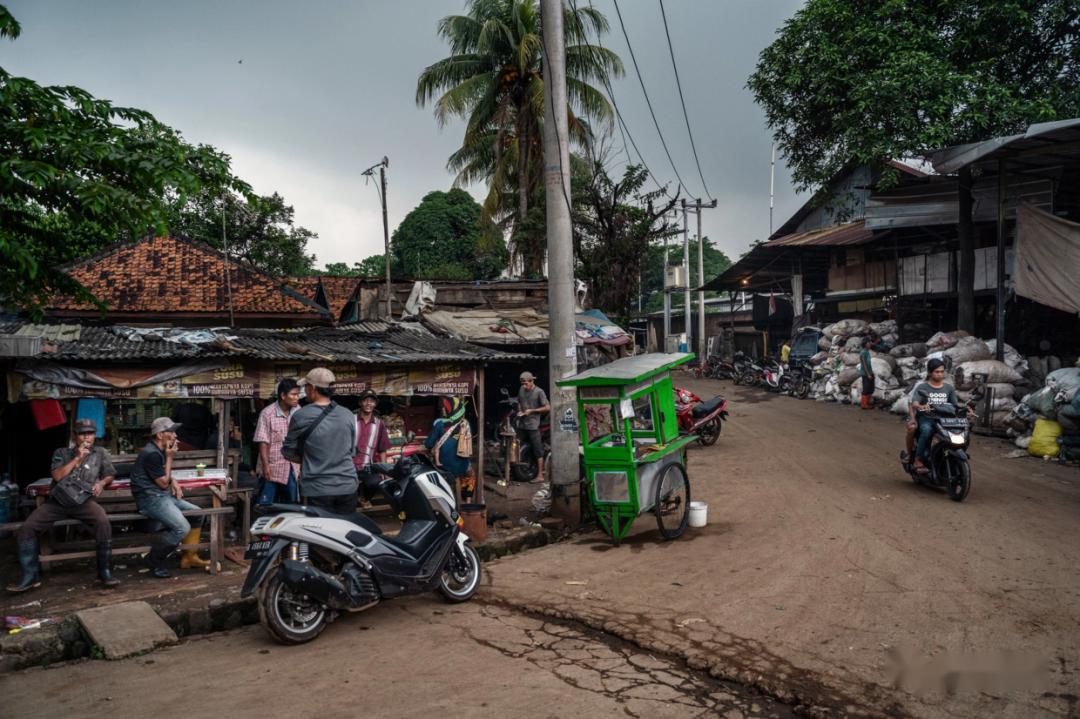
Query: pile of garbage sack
x,y
899,367
1046,422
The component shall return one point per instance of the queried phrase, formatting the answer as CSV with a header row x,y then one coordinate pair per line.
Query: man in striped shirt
x,y
372,442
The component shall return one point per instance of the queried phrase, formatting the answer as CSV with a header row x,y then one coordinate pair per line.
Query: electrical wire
x,y
637,71
682,100
624,129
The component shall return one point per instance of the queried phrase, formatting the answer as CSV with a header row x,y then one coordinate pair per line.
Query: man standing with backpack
x,y
322,438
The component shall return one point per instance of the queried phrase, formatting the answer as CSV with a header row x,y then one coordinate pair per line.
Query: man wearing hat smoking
x,y
79,473
322,438
158,496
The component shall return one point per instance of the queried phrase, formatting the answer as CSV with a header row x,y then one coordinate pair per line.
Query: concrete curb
x,y
66,640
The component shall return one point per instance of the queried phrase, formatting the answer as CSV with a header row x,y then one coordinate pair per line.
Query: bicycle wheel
x,y
672,502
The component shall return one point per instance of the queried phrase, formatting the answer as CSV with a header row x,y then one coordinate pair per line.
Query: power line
x,y
682,100
624,129
648,102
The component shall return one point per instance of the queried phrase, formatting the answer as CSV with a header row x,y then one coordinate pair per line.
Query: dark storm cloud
x,y
304,97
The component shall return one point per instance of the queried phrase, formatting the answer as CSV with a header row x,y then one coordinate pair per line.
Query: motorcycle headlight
x,y
956,438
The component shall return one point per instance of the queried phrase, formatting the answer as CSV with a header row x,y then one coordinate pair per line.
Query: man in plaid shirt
x,y
278,477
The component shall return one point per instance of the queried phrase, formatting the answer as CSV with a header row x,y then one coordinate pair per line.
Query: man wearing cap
x,y
532,403
88,468
322,438
158,496
372,441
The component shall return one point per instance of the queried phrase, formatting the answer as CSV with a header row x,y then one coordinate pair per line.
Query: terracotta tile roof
x,y
306,286
338,291
164,275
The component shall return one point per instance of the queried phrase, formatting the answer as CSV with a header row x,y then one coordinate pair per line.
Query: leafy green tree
x,y
372,266
493,80
78,173
441,239
857,81
615,225
258,229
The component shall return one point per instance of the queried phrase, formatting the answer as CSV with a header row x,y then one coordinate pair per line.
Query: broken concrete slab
x,y
122,630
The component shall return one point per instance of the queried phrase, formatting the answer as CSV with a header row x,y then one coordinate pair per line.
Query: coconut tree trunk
x,y
965,274
525,248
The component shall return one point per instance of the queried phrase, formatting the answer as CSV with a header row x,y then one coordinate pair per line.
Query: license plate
x,y
256,548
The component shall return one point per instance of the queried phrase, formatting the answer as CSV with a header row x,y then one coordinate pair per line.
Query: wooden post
x,y
222,433
478,495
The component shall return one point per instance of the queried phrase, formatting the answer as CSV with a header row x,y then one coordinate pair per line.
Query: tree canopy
x,y
78,173
615,225
856,81
441,239
258,229
493,79
372,266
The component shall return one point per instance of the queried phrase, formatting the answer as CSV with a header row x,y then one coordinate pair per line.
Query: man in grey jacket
x,y
322,438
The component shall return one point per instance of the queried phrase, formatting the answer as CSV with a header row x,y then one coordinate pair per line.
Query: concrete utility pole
x,y
381,188
562,350
702,344
686,271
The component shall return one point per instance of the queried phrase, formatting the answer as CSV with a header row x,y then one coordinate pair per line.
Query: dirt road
x,y
822,563
822,560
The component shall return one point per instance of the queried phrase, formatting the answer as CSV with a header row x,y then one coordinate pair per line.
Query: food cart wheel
x,y
672,501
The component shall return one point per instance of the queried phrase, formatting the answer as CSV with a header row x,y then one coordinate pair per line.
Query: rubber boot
x,y
864,401
190,557
28,558
155,559
104,566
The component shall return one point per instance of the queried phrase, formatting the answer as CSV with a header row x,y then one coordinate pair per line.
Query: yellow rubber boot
x,y
190,557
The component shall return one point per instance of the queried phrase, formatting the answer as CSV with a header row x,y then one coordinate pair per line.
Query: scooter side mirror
x,y
410,436
505,392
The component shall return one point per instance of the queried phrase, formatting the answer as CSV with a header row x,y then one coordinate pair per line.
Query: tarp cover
x,y
1048,259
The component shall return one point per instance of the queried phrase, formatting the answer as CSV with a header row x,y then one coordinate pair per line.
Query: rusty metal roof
x,y
851,233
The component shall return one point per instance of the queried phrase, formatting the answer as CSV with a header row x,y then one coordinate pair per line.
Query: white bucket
x,y
699,514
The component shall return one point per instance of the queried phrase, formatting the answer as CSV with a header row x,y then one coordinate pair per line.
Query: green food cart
x,y
635,459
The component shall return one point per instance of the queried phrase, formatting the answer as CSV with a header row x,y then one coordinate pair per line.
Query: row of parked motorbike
x,y
769,374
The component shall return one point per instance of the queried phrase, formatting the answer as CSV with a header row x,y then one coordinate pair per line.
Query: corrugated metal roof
x,y
51,333
1043,135
851,233
377,343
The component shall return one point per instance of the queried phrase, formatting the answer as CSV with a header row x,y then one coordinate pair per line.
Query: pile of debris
x,y
898,368
1047,422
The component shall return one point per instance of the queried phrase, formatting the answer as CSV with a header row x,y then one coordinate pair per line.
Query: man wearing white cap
x,y
322,438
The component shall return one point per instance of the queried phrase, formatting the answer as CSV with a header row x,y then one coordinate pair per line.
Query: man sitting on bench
x,y
79,473
159,497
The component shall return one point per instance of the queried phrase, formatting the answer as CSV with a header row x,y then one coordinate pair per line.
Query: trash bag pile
x,y
899,367
1046,422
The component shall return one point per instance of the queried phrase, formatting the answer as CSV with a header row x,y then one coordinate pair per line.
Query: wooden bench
x,y
214,545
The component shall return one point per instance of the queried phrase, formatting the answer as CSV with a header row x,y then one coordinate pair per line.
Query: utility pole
x,y
667,298
701,343
686,272
562,350
381,187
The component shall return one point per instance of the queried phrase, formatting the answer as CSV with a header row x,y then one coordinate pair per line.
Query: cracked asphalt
x,y
402,659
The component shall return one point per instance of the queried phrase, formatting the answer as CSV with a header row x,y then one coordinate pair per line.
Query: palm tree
x,y
493,79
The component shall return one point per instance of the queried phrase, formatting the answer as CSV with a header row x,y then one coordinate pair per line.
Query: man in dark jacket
x,y
322,438
90,468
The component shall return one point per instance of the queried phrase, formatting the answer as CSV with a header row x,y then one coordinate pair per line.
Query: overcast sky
x,y
304,96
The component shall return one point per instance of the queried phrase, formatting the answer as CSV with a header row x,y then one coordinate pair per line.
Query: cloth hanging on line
x,y
92,409
47,413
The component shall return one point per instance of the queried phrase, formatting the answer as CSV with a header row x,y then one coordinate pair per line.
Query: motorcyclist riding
x,y
933,391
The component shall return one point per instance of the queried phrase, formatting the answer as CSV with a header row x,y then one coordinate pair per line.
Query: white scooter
x,y
308,564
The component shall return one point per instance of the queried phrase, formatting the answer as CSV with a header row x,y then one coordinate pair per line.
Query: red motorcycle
x,y
699,417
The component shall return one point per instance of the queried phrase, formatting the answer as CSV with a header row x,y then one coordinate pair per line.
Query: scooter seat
x,y
357,518
707,408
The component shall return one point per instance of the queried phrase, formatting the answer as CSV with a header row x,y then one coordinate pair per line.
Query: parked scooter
x,y
801,379
308,564
948,462
775,378
698,417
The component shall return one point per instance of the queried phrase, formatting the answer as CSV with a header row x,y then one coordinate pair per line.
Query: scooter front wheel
x,y
461,576
959,480
290,617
